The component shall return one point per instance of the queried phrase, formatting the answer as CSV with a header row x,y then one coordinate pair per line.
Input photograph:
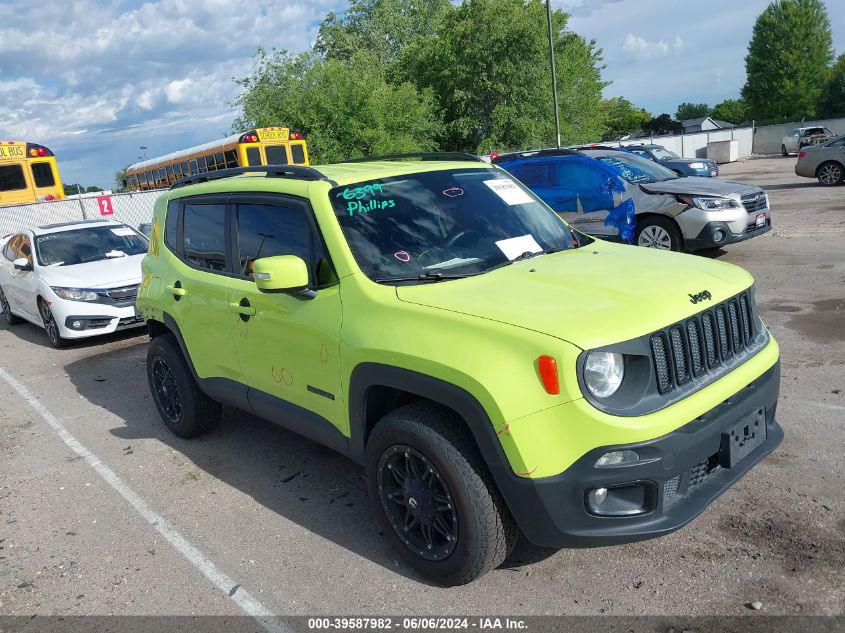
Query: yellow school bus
x,y
28,173
261,146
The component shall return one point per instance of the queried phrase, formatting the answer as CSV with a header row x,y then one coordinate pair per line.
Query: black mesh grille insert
x,y
695,351
679,355
703,342
661,363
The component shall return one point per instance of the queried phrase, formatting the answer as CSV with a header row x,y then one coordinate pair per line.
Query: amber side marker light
x,y
547,367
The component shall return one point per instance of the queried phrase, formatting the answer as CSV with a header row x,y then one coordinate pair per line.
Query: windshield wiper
x,y
525,255
424,277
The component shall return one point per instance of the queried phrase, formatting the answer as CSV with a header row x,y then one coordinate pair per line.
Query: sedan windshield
x,y
444,224
88,244
661,153
637,170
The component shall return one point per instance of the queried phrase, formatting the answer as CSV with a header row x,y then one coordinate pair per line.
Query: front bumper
x,y
719,234
100,320
681,470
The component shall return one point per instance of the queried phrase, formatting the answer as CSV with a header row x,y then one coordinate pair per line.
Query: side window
x,y
42,173
533,174
575,174
171,224
266,230
194,169
837,143
210,163
297,153
253,156
185,170
202,164
218,157
170,172
11,178
203,226
162,176
231,158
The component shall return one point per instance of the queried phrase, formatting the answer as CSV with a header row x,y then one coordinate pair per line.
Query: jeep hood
x,y
697,186
591,296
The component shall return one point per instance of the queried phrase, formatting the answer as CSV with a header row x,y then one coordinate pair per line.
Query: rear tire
x,y
183,407
657,232
424,469
11,319
830,173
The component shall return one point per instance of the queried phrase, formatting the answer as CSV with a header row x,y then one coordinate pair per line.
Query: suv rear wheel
x,y
829,173
185,409
434,497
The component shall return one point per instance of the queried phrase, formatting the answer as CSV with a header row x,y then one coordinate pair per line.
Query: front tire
x,y
434,497
830,173
183,407
50,325
783,151
11,319
657,232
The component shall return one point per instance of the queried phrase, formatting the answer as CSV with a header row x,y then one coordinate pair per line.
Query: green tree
x,y
488,67
346,108
663,124
120,184
621,117
73,189
731,110
788,59
380,27
832,102
692,111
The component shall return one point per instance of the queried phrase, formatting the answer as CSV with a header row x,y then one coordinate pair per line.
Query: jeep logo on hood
x,y
701,296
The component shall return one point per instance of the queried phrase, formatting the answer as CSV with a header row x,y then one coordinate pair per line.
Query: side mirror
x,y
282,273
22,263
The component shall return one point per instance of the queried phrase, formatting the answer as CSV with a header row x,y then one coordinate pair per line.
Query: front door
x,y
288,346
22,290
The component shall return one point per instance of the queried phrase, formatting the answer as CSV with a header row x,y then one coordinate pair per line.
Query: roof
x,y
691,122
232,138
77,224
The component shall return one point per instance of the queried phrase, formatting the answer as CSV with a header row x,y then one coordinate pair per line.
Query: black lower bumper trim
x,y
708,236
684,465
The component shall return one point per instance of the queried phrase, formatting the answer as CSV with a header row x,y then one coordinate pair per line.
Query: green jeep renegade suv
x,y
495,372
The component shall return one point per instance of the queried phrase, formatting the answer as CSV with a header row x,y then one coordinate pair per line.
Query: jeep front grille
x,y
702,344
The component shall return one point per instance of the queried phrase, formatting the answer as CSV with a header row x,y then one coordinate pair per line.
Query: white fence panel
x,y
132,208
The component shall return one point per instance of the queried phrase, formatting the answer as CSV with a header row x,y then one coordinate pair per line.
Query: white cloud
x,y
643,49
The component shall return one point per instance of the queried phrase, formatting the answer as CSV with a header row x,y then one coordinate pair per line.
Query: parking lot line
x,y
234,591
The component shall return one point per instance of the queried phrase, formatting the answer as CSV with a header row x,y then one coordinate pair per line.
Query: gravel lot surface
x,y
288,523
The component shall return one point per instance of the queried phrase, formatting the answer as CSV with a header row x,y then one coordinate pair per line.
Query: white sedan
x,y
75,280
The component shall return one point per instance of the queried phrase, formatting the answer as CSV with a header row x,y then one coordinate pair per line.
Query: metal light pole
x,y
554,74
144,148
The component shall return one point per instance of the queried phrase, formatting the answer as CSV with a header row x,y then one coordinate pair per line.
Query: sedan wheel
x,y
11,319
50,325
830,174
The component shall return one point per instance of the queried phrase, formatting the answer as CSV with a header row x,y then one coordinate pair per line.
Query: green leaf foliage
x,y
788,59
832,102
663,124
621,117
692,111
346,108
731,110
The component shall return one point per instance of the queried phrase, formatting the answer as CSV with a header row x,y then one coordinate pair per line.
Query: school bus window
x,y
43,175
170,174
201,162
193,167
11,178
221,164
177,170
231,158
253,156
276,155
210,160
133,182
142,178
185,170
297,152
162,175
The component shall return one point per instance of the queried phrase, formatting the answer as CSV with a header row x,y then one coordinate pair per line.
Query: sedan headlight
x,y
711,203
603,373
75,294
697,165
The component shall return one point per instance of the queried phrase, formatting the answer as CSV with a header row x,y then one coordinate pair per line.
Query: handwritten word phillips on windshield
x,y
370,205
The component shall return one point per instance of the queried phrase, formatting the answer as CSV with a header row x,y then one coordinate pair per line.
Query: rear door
x,y
584,198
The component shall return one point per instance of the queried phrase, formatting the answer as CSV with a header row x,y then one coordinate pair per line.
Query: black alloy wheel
x,y
417,502
50,325
166,391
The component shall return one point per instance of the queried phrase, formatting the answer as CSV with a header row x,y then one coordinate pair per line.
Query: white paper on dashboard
x,y
123,231
509,191
513,247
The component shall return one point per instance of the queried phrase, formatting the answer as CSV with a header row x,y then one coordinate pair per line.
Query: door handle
x,y
176,291
244,309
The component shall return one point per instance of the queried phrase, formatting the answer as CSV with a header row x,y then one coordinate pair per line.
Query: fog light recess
x,y
622,500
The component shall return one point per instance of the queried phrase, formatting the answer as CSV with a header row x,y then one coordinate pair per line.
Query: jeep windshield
x,y
441,225
637,170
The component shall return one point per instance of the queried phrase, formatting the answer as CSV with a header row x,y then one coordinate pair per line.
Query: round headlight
x,y
603,372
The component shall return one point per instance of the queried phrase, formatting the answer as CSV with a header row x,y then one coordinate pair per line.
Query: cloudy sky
x,y
96,79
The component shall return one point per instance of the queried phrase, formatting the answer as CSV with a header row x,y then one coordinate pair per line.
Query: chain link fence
x,y
131,208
